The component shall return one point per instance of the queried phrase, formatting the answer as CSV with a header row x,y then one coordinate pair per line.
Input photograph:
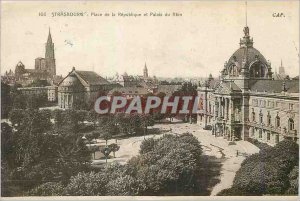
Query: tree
x,y
114,148
16,116
168,166
6,105
106,151
48,189
86,184
294,181
106,136
19,101
123,186
90,137
147,145
268,171
93,117
59,118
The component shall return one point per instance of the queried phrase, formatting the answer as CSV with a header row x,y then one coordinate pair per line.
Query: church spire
x,y
49,55
49,41
145,71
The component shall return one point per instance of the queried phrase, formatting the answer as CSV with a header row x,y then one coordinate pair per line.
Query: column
x,y
220,109
227,107
231,110
216,108
68,100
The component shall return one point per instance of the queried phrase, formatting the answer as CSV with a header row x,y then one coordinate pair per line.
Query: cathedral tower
x,y
49,56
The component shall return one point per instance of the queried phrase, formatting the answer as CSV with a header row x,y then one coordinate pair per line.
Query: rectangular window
x,y
260,133
277,121
291,106
253,130
261,119
268,136
277,139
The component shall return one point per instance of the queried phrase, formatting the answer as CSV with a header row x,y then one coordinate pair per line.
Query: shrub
x,y
47,189
268,172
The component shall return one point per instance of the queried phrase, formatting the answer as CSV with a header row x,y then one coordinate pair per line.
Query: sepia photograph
x,y
149,100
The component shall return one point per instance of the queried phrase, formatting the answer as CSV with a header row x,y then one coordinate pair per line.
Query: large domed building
x,y
248,59
247,103
81,88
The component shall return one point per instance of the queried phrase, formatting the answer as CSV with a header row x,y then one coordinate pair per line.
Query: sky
x,y
194,44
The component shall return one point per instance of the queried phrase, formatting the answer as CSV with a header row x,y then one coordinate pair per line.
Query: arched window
x,y
253,116
291,124
277,121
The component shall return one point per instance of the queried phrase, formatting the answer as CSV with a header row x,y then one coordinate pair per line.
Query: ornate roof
x,y
70,81
247,60
252,55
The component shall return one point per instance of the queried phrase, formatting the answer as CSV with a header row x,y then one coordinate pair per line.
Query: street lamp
x,y
106,153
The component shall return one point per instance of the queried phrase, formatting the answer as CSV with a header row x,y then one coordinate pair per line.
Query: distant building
x,y
247,103
8,78
33,90
145,71
45,68
281,75
144,80
52,93
131,92
81,87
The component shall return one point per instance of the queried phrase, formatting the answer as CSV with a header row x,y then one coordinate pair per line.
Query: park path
x,y
217,147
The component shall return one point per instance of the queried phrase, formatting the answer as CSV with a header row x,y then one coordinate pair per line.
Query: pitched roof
x,y
213,83
167,89
274,86
226,87
92,78
130,90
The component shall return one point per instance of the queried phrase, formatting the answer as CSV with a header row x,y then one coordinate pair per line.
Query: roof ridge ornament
x,y
246,41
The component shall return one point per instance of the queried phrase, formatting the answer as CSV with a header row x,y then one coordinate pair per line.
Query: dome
x,y
247,58
238,55
70,81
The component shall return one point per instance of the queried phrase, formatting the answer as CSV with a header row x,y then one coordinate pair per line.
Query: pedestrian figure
x,y
237,152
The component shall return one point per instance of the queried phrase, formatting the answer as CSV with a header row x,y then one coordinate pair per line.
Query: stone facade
x,y
33,90
52,93
247,102
81,87
45,68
